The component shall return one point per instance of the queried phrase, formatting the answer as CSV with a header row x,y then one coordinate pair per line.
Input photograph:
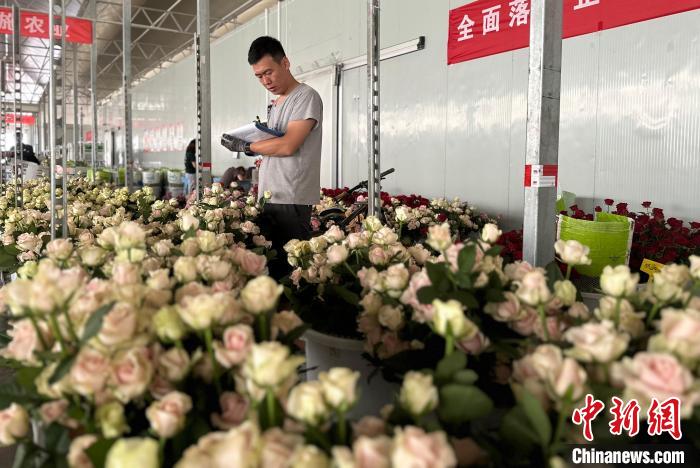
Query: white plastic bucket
x,y
325,351
150,177
31,170
176,190
174,177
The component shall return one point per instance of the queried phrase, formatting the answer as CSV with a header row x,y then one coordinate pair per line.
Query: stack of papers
x,y
253,132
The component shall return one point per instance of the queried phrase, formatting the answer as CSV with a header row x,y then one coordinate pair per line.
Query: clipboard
x,y
255,131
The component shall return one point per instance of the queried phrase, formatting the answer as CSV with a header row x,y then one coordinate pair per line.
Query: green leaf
x,y
14,393
553,274
427,294
98,451
26,377
295,334
345,294
463,403
495,295
94,323
464,280
466,377
57,438
494,251
537,416
466,298
466,259
63,368
516,430
437,272
450,365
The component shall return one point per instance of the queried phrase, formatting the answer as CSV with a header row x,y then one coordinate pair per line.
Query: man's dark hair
x,y
265,45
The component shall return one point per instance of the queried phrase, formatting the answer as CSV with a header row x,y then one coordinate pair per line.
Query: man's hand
x,y
233,143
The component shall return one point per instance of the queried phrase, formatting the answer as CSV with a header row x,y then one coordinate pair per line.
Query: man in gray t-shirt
x,y
291,165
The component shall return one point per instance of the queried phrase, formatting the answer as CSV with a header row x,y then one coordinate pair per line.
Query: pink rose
x,y
126,273
278,448
569,376
89,372
414,448
25,341
160,386
372,452
369,426
167,416
77,458
377,256
190,290
119,325
284,322
422,313
250,262
506,311
235,346
368,325
131,373
234,409
14,424
391,345
555,328
296,277
526,325
174,364
474,345
655,375
55,411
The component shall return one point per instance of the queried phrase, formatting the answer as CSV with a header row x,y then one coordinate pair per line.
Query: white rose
x,y
285,322
695,267
14,424
413,447
110,419
596,342
318,244
168,325
532,289
418,394
419,253
269,364
679,333
565,291
666,289
189,247
618,281
372,224
390,317
402,213
92,256
29,242
167,415
162,248
204,310
572,252
490,233
337,254
449,319
59,249
132,452
185,269
396,277
260,295
188,222
439,237
339,387
306,403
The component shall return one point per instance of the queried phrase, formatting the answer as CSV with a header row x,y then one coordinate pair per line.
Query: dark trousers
x,y
280,223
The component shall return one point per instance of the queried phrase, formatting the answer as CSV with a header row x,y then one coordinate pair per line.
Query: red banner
x,y
26,119
33,24
489,27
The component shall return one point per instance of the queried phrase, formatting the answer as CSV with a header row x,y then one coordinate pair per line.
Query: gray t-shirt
x,y
295,179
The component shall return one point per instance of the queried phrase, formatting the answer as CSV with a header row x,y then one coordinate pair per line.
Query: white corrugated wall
x,y
630,127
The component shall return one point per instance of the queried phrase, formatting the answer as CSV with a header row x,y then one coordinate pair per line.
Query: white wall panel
x,y
630,128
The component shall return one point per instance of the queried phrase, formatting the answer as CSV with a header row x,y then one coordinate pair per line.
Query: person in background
x,y
190,170
291,164
235,174
27,154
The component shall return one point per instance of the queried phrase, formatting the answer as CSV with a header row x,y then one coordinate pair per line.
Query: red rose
x,y
609,201
598,209
646,204
621,208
